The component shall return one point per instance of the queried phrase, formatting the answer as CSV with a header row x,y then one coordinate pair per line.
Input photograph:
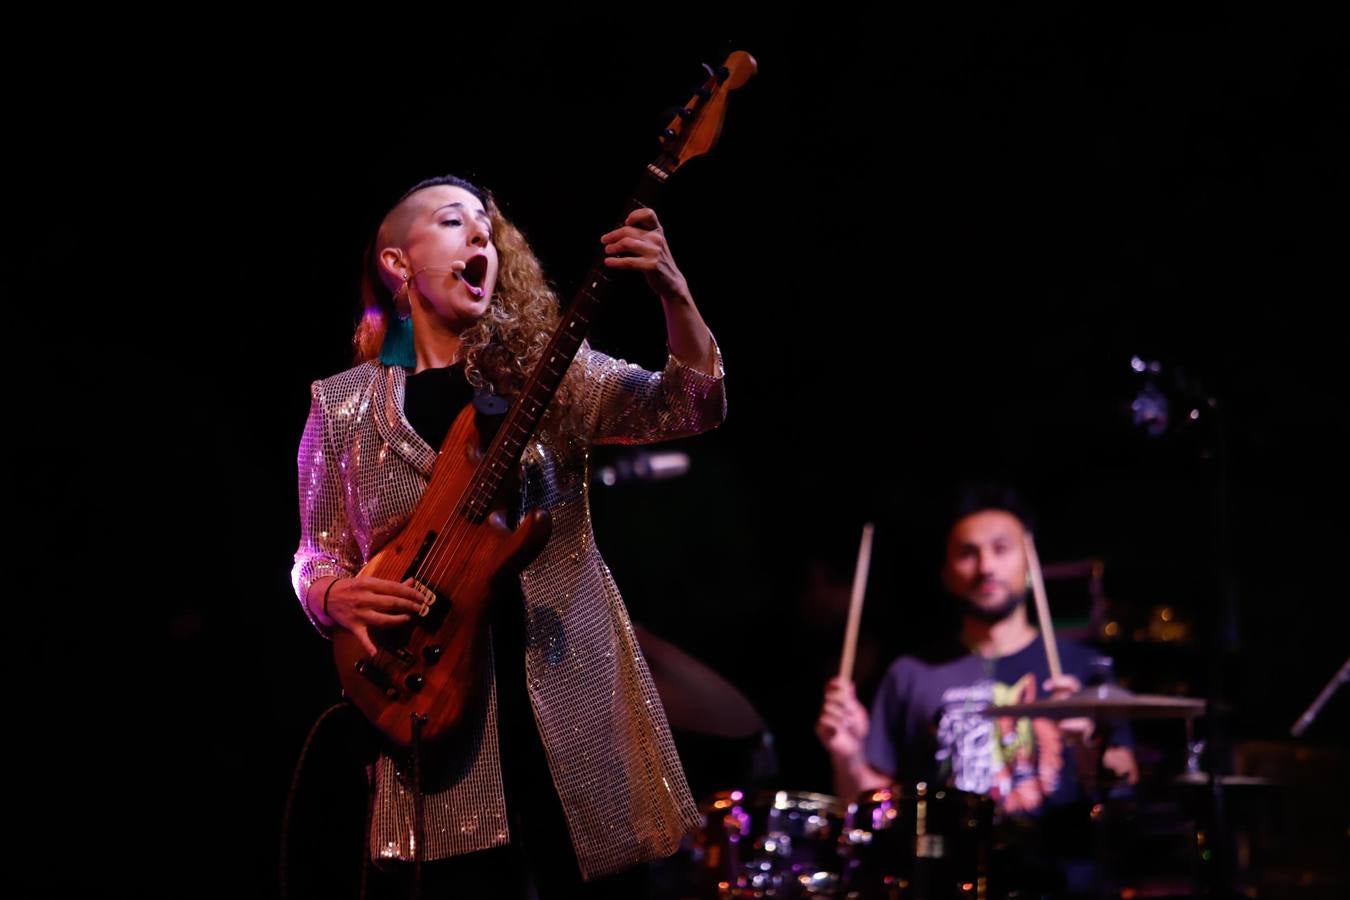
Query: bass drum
x,y
916,842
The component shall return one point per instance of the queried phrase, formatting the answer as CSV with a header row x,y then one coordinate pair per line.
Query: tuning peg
x,y
721,73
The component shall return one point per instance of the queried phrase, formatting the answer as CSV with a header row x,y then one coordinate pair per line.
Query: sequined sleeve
x,y
626,404
327,546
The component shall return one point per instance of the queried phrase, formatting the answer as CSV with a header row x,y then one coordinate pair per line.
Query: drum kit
x,y
912,841
892,842
902,841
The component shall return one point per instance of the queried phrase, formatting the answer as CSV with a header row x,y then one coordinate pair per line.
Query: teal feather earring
x,y
398,348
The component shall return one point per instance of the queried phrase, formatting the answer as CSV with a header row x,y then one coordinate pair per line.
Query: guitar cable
x,y
293,792
418,825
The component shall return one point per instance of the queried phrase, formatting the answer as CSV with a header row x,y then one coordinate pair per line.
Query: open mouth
x,y
475,272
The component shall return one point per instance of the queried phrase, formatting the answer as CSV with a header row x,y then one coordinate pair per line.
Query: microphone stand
x,y
1311,713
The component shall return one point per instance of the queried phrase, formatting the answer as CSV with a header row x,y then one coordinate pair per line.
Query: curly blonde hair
x,y
503,347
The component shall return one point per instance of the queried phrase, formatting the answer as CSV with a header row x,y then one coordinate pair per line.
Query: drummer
x,y
926,722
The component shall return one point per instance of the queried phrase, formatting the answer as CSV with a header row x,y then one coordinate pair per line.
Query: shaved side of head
x,y
394,231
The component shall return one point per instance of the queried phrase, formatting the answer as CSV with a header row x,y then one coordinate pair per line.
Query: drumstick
x,y
1042,606
855,603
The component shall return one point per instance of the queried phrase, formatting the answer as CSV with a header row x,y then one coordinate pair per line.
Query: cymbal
x,y
696,698
1105,701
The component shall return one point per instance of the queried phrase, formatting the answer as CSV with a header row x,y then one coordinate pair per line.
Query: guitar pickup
x,y
431,601
429,598
434,608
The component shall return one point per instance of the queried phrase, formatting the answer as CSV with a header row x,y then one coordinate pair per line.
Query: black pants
x,y
539,861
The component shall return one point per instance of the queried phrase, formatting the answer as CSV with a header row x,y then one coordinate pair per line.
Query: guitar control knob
x,y
378,677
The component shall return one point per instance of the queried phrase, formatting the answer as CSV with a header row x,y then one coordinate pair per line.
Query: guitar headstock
x,y
696,126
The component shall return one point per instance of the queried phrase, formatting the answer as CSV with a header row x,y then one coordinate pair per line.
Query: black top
x,y
432,399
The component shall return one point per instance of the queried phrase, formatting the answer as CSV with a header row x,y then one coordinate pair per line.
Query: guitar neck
x,y
543,383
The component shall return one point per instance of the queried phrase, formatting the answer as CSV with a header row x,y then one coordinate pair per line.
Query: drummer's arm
x,y
844,729
1117,757
1121,761
855,776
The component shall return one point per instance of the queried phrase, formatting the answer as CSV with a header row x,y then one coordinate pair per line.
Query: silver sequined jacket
x,y
362,468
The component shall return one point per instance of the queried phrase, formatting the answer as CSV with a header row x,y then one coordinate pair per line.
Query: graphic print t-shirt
x,y
926,726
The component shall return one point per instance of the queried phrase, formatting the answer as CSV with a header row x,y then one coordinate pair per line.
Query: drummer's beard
x,y
992,614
